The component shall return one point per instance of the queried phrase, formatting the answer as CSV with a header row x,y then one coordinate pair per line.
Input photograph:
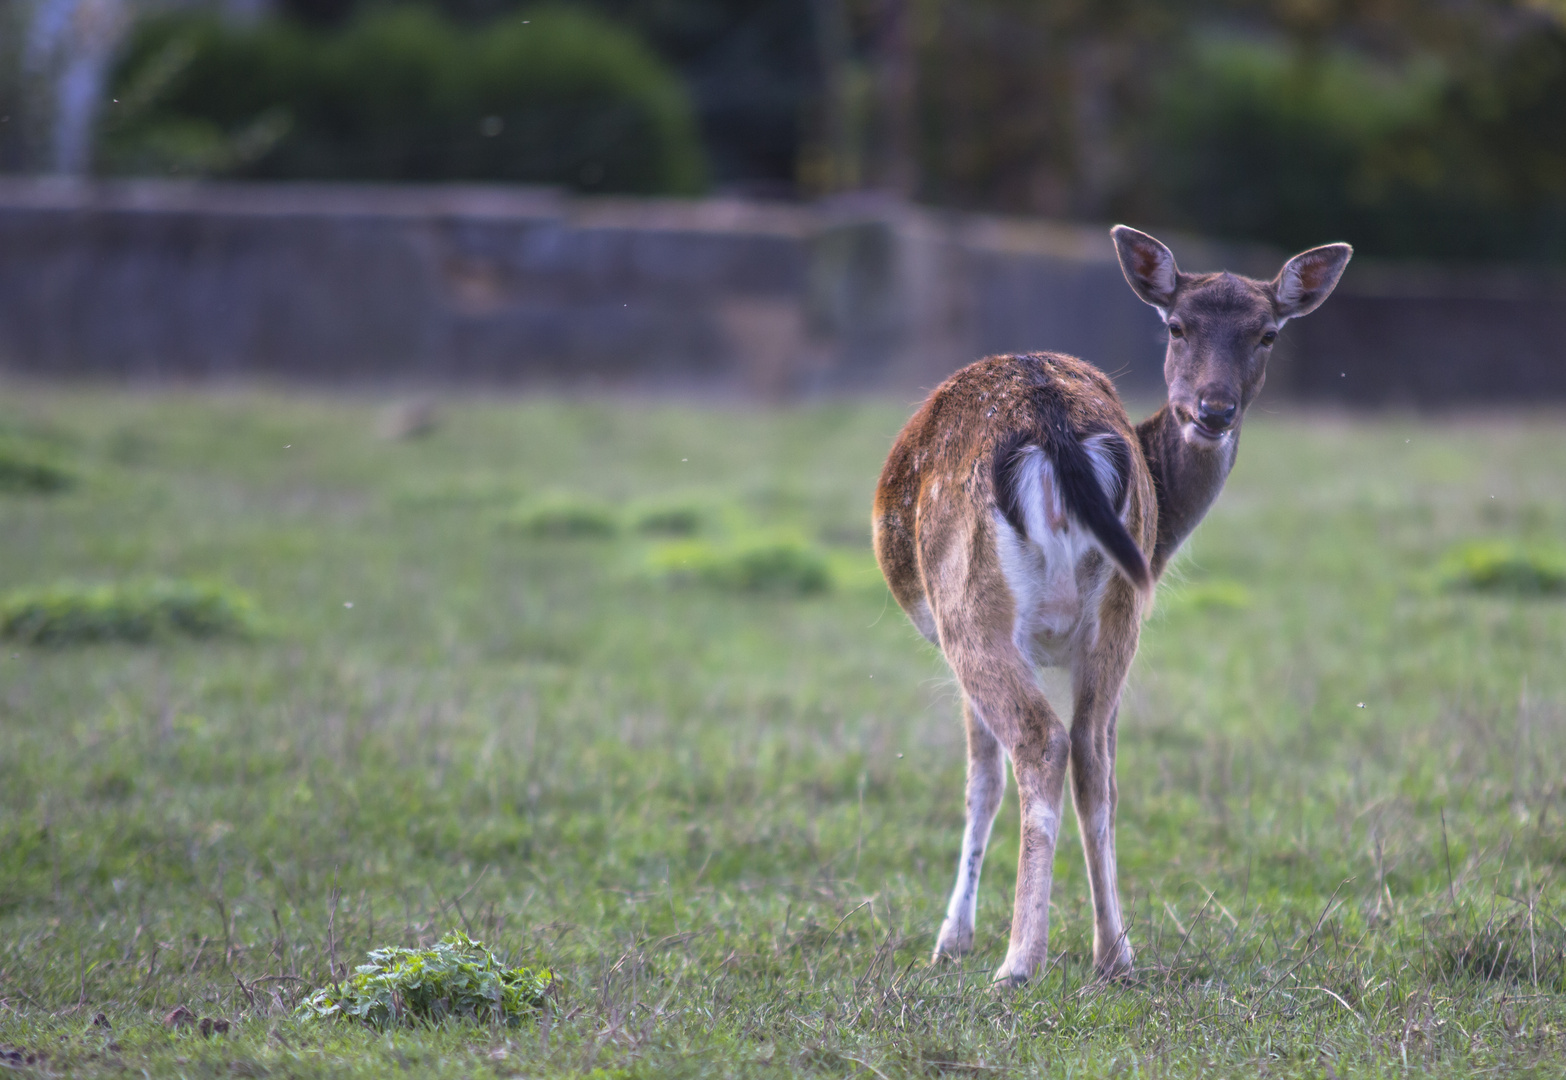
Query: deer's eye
x,y
1269,337
1176,330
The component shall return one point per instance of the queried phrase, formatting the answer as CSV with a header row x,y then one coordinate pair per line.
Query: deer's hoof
x,y
1015,972
953,941
1117,964
1007,979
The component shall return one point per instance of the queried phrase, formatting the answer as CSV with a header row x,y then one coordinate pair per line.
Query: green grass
x,y
726,819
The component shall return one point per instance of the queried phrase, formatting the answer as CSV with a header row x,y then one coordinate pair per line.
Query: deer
x,y
1022,523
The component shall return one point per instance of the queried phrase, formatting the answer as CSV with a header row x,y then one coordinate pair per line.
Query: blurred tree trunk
x,y
65,54
893,166
1029,107
994,103
830,159
865,120
13,132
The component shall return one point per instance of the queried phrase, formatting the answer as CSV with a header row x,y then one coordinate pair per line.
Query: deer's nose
x,y
1215,412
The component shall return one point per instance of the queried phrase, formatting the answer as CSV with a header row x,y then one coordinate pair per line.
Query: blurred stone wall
x,y
163,281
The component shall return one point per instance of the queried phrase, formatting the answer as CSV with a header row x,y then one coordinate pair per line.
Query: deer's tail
x,y
1044,477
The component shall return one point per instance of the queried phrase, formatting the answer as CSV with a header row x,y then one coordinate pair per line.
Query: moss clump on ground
x,y
1501,566
773,566
457,977
24,470
565,517
1217,595
141,611
671,519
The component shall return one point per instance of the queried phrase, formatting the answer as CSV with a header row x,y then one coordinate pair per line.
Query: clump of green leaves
x,y
24,469
565,517
455,978
1502,566
775,566
140,611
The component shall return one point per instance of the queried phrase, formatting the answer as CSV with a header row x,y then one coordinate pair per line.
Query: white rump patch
x,y
1038,494
1100,451
1041,567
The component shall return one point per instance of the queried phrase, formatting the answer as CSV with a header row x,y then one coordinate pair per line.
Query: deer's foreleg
x,y
1097,683
986,786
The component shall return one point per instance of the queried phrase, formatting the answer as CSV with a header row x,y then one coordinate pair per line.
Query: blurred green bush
x,y
1265,139
671,519
26,468
564,517
1216,595
1410,129
1507,567
542,96
762,565
136,612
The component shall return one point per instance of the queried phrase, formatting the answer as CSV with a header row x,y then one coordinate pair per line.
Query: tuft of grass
x,y
1501,949
1218,595
24,470
456,978
773,566
1504,567
565,517
671,519
74,614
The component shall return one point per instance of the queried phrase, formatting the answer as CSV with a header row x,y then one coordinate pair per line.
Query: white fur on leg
x,y
956,936
1025,955
985,788
1111,950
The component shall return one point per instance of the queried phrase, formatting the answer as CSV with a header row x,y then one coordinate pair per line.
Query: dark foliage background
x,y
556,96
750,66
1414,128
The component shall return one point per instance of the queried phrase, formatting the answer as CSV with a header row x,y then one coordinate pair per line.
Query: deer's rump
x,y
1041,438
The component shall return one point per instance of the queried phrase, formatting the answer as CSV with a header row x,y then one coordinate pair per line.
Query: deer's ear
x,y
1148,265
1308,279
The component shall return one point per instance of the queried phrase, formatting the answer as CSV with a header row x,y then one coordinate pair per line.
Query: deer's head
x,y
1221,327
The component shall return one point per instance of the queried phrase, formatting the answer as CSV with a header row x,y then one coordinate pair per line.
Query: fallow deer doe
x,y
1022,522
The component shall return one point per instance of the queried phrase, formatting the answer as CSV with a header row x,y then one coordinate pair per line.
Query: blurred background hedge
x,y
1415,128
548,96
1413,157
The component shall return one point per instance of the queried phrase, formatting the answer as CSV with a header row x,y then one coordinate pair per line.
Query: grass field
x,y
517,677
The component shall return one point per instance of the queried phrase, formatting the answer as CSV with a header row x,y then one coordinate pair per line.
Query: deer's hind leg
x,y
1007,700
986,787
1098,679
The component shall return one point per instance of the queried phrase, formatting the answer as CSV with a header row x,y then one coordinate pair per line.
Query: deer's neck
x,y
1187,479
